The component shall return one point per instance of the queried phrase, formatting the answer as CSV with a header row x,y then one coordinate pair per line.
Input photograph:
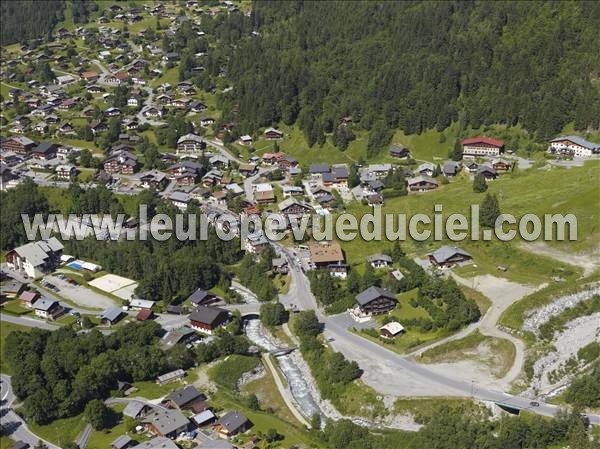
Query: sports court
x,y
117,285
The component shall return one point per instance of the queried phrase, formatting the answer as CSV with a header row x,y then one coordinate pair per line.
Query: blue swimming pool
x,y
74,265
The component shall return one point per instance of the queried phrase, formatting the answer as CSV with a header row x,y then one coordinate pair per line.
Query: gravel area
x,y
538,317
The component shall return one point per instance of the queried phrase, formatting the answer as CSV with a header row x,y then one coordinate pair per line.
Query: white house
x,y
573,146
36,258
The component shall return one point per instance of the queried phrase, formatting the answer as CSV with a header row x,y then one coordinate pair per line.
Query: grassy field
x,y
499,356
269,397
61,431
578,195
5,329
426,407
14,308
101,439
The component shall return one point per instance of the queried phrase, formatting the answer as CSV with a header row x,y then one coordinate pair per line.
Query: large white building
x,y
482,147
573,146
36,258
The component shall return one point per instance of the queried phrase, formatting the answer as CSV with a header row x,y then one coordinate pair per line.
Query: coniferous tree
x,y
479,183
489,211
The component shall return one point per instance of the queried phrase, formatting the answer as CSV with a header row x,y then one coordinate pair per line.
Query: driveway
x,y
80,295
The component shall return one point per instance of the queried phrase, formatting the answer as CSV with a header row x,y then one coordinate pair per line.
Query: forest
x,y
28,19
413,65
58,373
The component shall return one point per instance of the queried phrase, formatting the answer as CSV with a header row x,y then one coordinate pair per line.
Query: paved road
x,y
147,103
14,426
84,436
29,322
389,372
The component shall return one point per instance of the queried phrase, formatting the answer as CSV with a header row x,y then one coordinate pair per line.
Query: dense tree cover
x,y
412,65
25,198
479,183
446,304
329,292
28,19
489,211
585,389
330,369
226,344
256,275
273,314
98,414
455,427
58,373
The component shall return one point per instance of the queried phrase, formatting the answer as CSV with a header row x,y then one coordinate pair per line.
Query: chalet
x,y
180,200
422,184
181,103
573,146
97,127
186,178
317,170
112,112
288,163
376,171
183,167
49,309
18,145
11,290
279,265
488,172
212,178
111,316
135,409
154,112
426,169
245,140
207,417
64,79
375,301
182,334
185,398
292,208
231,424
208,319
273,134
379,260
450,168
89,76
133,102
391,330
27,298
36,258
66,129
144,315
45,150
256,243
95,89
171,56
501,165
340,175
65,172
190,143
247,169
206,121
121,162
328,256
272,158
292,191
472,167
327,201
153,179
166,423
482,147
374,186
203,298
141,304
399,152
171,376
448,256
218,161
375,199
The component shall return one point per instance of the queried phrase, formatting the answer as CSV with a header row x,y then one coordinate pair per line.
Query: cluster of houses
x,y
179,413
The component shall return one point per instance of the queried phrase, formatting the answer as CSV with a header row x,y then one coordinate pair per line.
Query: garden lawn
x,y
60,431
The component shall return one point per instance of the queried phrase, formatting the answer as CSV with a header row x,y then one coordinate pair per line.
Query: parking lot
x,y
80,295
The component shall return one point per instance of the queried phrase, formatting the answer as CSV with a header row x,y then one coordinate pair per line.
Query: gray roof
x,y
44,304
426,166
203,417
157,443
216,444
111,314
450,167
278,261
377,257
184,396
373,293
232,421
419,179
180,197
121,442
37,252
319,168
446,252
199,295
192,137
340,172
133,409
579,141
207,315
167,421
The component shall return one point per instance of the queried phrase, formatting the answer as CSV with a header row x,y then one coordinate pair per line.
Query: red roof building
x,y
482,146
144,315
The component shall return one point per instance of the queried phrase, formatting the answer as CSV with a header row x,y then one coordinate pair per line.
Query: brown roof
x,y
265,196
29,296
144,315
324,252
90,74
